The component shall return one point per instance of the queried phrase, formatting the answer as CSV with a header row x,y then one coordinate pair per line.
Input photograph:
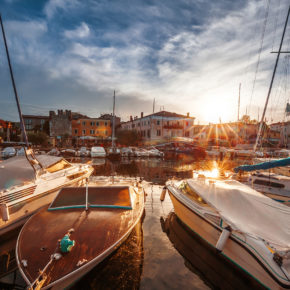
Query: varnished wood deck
x,y
96,230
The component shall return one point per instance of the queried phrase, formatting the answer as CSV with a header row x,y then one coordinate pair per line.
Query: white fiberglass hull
x,y
238,248
36,195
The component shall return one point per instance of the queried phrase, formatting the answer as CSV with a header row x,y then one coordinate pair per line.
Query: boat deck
x,y
96,231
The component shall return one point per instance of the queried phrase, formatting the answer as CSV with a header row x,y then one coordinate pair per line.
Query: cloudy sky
x,y
190,55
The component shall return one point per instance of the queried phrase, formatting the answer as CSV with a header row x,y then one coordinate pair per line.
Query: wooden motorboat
x,y
245,226
79,229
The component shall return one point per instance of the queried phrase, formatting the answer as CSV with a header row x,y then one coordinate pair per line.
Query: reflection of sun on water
x,y
214,173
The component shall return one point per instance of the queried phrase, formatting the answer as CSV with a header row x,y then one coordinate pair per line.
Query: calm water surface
x,y
160,253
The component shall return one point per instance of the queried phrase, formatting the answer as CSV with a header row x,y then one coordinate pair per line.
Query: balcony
x,y
173,126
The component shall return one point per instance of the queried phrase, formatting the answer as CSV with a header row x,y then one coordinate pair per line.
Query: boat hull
x,y
236,249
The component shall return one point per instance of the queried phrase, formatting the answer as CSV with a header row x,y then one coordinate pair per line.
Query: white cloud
x,y
26,29
80,32
53,6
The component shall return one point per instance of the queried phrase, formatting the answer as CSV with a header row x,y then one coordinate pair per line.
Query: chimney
x,y
131,118
142,114
187,115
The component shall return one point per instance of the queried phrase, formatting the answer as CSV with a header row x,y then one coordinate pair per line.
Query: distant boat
x,y
246,227
79,229
25,189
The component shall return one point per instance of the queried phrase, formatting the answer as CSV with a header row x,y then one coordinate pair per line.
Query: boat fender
x,y
4,212
223,238
163,193
24,263
66,244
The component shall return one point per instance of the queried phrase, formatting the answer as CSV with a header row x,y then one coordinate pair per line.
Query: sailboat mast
x,y
271,84
239,102
113,131
14,87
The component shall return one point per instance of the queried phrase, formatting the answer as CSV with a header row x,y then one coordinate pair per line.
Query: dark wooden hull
x,y
98,232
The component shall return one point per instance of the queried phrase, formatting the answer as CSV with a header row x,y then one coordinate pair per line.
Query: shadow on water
x,y
213,268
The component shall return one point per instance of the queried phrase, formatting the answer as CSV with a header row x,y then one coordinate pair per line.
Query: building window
x,y
28,121
106,124
42,122
97,123
92,123
148,133
84,123
84,132
92,131
76,131
158,122
158,132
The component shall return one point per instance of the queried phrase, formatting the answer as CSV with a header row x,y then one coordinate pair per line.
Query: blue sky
x,y
190,55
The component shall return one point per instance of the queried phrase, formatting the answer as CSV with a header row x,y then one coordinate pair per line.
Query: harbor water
x,y
160,253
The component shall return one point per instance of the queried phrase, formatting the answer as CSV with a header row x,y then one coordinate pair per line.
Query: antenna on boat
x,y
14,87
270,88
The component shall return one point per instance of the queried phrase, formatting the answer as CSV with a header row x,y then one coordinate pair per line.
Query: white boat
x,y
24,188
84,152
273,185
98,219
248,228
8,152
98,152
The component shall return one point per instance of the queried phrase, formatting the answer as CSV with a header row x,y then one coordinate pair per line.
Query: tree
x,y
39,138
128,138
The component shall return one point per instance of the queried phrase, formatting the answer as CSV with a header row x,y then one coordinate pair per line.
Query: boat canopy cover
x,y
264,165
247,210
17,170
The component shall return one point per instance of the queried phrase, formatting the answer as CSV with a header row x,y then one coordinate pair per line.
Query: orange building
x,y
99,128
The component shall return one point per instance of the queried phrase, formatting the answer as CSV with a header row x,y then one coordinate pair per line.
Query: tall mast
x,y
154,106
113,131
14,87
239,102
270,88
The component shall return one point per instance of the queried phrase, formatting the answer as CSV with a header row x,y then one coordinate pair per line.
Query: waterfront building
x,y
60,127
160,126
95,129
36,123
283,128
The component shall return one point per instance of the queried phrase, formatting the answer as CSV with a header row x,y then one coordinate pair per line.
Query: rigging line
x,y
275,25
259,52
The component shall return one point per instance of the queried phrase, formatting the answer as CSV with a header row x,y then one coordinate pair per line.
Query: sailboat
x,y
114,153
275,186
27,182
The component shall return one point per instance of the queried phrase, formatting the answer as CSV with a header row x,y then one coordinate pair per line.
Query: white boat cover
x,y
17,170
246,210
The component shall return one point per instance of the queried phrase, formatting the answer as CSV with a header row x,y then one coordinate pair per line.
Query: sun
x,y
215,111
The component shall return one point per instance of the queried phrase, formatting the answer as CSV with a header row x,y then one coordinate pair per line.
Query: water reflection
x,y
203,260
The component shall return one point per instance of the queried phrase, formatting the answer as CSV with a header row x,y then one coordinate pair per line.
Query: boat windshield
x,y
62,164
188,191
98,197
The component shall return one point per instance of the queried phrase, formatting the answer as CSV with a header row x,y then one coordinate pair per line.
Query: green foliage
x,y
38,138
128,138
